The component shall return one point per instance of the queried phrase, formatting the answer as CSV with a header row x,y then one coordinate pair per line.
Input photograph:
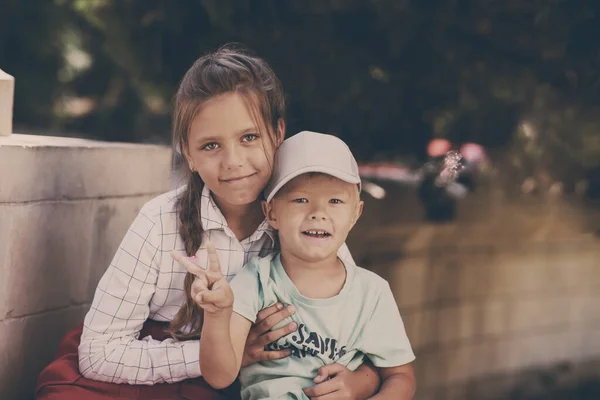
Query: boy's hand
x,y
210,289
334,381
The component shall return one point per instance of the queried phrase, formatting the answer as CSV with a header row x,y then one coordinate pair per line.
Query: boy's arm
x,y
223,332
337,380
399,383
222,347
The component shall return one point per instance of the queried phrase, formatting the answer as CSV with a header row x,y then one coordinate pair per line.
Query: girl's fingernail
x,y
279,306
293,326
291,309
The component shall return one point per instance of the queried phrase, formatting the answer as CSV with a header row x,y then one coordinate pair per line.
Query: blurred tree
x,y
386,75
30,50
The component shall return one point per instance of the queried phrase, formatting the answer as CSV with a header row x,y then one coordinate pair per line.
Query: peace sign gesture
x,y
210,289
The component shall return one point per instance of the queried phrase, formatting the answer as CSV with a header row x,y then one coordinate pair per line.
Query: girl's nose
x,y
233,158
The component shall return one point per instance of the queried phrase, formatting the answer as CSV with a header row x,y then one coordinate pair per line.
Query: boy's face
x,y
314,214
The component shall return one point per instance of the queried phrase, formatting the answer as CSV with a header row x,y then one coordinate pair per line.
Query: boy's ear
x,y
269,213
358,213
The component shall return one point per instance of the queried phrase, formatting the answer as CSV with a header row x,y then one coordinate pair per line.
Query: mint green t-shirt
x,y
362,320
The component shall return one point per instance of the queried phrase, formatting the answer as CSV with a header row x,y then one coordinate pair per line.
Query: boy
x,y
344,313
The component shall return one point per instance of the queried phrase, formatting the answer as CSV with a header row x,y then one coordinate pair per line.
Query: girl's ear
x,y
269,213
280,132
189,160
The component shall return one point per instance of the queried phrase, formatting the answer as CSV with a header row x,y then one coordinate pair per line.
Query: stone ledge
x,y
38,168
53,254
28,344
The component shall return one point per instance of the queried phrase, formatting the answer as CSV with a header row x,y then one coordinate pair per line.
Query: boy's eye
x,y
209,146
336,201
250,137
300,200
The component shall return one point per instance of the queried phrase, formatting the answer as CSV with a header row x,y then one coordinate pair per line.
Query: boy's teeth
x,y
316,233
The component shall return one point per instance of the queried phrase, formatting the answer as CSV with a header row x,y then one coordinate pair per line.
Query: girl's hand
x,y
210,289
333,382
260,334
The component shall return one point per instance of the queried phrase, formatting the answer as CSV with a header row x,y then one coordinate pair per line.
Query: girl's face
x,y
227,150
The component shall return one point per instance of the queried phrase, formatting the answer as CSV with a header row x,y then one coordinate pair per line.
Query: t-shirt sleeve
x,y
384,338
247,299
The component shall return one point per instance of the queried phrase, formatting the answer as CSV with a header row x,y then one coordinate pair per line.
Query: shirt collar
x,y
211,218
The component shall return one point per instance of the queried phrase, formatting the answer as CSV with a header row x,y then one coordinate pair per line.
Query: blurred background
x,y
494,259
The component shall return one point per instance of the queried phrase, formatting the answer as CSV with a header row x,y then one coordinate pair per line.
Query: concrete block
x,y
81,169
111,219
495,316
56,252
409,283
430,368
541,349
460,363
431,330
449,324
412,325
516,273
589,344
48,256
442,280
583,307
7,91
430,393
561,270
28,344
477,280
539,312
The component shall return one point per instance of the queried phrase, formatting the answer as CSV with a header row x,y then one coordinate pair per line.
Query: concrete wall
x,y
65,205
503,300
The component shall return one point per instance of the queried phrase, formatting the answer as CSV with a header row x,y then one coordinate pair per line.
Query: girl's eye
x,y
209,146
300,200
335,201
251,137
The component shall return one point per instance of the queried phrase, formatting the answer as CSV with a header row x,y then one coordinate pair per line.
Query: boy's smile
x,y
314,214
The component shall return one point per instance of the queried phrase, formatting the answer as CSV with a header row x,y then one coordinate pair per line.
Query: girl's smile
x,y
228,150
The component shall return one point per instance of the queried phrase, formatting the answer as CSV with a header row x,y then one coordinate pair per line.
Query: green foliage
x,y
386,75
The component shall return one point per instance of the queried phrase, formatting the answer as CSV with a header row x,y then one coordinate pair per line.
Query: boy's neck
x,y
242,220
322,279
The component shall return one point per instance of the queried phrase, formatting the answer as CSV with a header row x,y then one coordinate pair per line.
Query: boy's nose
x,y
317,214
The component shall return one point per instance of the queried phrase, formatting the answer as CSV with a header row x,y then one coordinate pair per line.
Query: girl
x,y
140,338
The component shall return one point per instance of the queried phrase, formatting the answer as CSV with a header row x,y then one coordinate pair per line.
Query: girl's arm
x,y
366,381
111,349
222,347
399,383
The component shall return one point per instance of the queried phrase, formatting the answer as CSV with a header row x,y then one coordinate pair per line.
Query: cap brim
x,y
349,178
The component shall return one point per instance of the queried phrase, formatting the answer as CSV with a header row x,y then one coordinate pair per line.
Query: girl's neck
x,y
243,220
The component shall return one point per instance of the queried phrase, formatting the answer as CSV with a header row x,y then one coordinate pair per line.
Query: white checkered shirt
x,y
143,281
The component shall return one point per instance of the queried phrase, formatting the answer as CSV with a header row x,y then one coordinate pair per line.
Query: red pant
x,y
61,379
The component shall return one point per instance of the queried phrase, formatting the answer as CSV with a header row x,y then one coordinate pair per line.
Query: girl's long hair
x,y
227,70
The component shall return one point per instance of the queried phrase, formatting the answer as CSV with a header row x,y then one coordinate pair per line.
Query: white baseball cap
x,y
312,152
